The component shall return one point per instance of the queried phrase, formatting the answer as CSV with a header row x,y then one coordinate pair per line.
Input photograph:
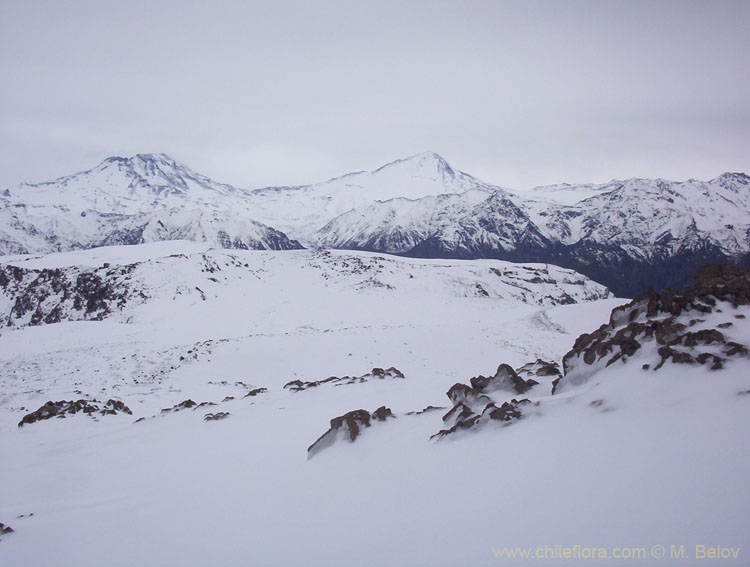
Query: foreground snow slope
x,y
658,461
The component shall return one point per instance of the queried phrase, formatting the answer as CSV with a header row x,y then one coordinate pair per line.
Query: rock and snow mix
x,y
221,358
625,234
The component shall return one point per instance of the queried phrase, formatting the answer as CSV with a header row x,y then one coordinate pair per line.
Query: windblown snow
x,y
211,466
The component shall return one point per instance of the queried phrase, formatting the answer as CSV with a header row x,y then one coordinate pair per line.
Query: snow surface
x,y
660,460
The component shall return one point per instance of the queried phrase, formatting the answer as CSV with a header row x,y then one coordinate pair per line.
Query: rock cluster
x,y
673,319
348,426
38,297
254,392
216,416
63,408
473,403
375,373
186,404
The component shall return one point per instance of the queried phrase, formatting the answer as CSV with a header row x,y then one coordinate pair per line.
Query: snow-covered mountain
x,y
146,198
628,234
302,210
625,234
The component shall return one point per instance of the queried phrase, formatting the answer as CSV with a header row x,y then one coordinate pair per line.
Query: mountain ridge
x,y
627,234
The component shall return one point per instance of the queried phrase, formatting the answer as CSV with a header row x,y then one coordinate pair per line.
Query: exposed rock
x,y
375,373
63,408
181,406
506,412
216,416
458,412
348,426
425,410
382,413
5,529
463,418
505,378
473,405
665,317
255,392
538,368
38,297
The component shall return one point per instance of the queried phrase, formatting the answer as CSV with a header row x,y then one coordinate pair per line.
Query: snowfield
x,y
624,457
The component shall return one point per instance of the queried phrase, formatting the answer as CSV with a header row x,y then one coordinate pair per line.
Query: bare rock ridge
x,y
679,322
476,403
64,408
65,294
375,373
348,427
683,325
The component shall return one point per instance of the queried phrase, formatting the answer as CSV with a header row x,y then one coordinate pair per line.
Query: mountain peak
x,y
424,160
143,159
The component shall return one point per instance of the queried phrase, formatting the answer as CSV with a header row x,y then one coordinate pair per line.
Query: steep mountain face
x,y
146,198
628,235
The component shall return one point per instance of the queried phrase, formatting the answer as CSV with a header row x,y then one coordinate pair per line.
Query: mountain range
x,y
627,235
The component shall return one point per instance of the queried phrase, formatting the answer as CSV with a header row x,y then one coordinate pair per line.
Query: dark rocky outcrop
x,y
6,529
39,297
473,404
425,410
375,373
348,426
216,416
187,404
462,417
64,408
254,392
669,318
538,369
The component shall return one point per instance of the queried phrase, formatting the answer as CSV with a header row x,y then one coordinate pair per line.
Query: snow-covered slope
x,y
628,234
146,198
171,275
210,462
301,211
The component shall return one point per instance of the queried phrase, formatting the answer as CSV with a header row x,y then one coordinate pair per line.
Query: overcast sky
x,y
270,93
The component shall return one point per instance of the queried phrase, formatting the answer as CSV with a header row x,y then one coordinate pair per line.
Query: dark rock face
x,y
348,426
425,410
216,416
464,418
666,317
65,294
5,529
64,408
614,265
187,404
254,392
375,373
539,368
382,413
473,404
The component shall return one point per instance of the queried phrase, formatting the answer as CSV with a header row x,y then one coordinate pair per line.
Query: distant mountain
x,y
145,198
627,235
301,211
